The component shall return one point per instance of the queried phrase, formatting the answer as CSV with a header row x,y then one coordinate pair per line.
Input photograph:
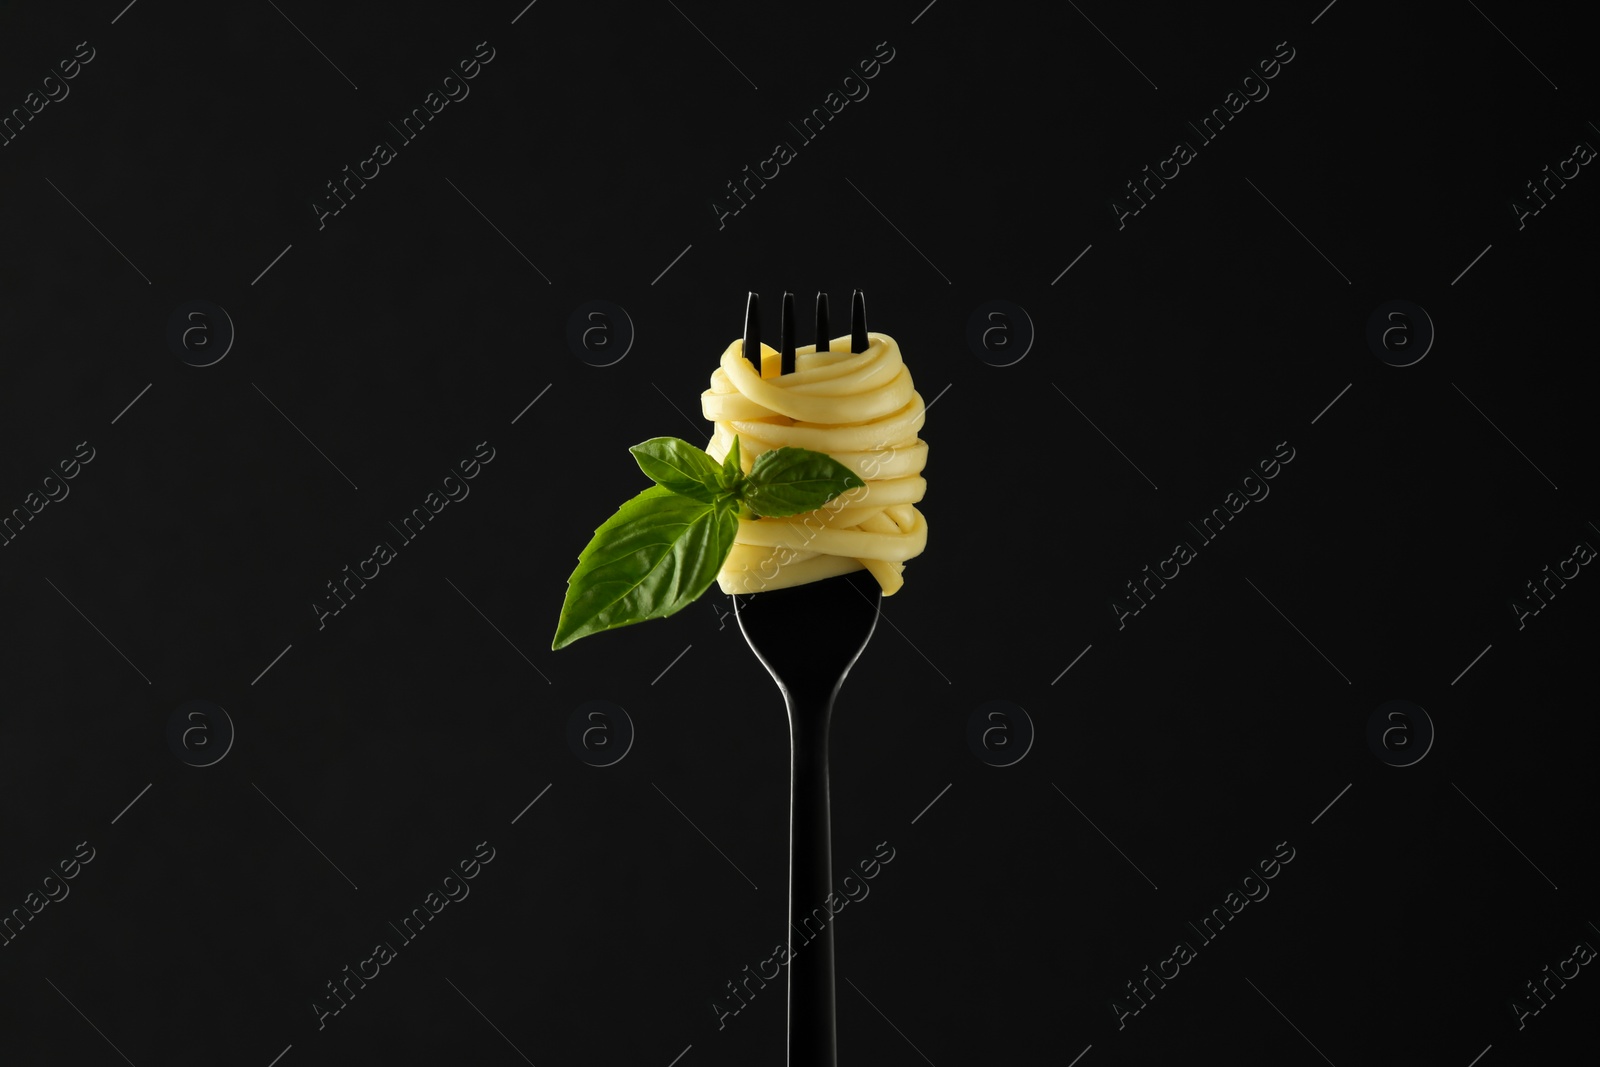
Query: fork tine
x,y
752,332
858,321
786,334
824,341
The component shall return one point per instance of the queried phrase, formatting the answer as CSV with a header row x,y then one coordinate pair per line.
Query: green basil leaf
x,y
655,556
677,465
787,481
732,471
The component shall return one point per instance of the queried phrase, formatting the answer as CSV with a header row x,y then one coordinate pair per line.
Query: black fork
x,y
752,328
808,637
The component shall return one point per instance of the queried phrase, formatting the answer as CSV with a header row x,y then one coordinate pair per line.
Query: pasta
x,y
859,408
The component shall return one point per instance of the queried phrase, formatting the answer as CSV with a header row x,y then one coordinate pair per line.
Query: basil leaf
x,y
787,481
677,465
732,471
654,557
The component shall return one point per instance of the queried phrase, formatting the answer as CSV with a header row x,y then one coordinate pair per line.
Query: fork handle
x,y
813,1039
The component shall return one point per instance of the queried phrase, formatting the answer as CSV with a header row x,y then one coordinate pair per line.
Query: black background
x,y
411,727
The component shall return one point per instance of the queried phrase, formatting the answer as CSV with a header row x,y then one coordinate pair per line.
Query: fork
x,y
808,637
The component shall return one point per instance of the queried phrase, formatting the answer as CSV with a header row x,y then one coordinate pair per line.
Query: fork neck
x,y
810,713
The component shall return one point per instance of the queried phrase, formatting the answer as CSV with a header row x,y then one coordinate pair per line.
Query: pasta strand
x,y
860,408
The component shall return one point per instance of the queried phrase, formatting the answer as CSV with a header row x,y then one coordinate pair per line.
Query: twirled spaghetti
x,y
859,408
